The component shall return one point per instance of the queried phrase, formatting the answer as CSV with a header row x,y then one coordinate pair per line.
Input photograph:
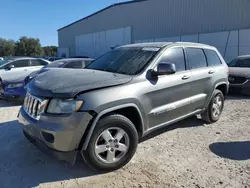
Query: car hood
x,y
15,77
236,71
67,83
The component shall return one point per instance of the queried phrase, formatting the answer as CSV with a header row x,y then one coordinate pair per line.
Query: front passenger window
x,y
175,56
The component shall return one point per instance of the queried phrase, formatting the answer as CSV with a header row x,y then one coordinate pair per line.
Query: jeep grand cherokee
x,y
102,111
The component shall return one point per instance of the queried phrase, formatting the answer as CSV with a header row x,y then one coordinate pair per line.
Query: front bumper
x,y
243,88
58,134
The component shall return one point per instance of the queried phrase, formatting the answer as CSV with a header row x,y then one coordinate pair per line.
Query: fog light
x,y
48,137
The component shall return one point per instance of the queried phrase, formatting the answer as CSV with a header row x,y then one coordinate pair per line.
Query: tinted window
x,y
196,58
233,63
74,65
38,62
86,63
212,58
124,60
176,56
20,63
57,64
244,62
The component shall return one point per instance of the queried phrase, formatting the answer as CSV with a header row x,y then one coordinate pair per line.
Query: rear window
x,y
196,58
212,58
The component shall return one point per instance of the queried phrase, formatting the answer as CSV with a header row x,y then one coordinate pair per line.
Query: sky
x,y
42,18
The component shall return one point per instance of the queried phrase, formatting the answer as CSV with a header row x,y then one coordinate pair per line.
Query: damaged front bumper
x,y
58,135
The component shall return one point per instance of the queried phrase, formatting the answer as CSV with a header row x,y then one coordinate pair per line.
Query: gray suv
x,y
102,111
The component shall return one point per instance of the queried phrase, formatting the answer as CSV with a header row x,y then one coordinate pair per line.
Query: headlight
x,y
15,85
58,106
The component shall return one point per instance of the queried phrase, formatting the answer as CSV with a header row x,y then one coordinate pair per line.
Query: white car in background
x,y
14,71
23,65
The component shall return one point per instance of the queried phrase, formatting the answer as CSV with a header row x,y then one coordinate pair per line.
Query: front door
x,y
169,95
17,66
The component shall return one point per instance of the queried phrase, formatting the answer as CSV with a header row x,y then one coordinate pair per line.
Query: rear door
x,y
36,64
202,78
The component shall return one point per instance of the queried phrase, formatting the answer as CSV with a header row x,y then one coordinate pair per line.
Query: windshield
x,y
128,61
4,62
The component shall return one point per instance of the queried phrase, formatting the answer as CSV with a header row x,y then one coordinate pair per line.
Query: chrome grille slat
x,y
33,106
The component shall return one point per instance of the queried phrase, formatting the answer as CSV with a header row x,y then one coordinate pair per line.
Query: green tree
x,y
28,47
7,47
50,50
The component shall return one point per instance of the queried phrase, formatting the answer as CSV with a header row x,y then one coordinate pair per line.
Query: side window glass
x,y
38,62
176,56
244,63
74,65
85,63
212,58
20,63
196,58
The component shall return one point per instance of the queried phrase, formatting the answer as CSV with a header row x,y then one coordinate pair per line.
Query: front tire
x,y
113,143
215,108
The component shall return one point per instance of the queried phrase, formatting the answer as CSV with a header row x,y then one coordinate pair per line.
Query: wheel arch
x,y
219,86
121,109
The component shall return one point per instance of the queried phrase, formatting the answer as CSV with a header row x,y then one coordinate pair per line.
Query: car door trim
x,y
178,104
173,121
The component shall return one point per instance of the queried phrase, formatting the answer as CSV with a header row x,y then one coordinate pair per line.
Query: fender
x,y
93,125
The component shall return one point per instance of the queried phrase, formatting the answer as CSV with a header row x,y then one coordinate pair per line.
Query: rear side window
x,y
196,58
244,63
176,56
38,62
74,65
212,58
87,62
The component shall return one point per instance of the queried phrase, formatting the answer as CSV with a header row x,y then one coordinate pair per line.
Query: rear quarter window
x,y
212,58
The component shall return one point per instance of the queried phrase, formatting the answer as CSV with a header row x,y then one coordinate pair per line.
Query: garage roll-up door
x,y
96,44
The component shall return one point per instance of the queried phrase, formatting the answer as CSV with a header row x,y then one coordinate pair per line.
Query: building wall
x,y
162,19
230,43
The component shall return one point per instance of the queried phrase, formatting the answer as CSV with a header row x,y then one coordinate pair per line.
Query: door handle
x,y
211,72
185,77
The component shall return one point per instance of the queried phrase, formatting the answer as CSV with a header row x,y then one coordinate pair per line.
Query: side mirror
x,y
164,69
10,67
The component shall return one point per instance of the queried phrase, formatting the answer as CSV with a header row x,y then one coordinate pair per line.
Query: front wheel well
x,y
130,112
133,115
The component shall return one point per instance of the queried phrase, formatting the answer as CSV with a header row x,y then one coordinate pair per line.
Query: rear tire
x,y
108,150
215,107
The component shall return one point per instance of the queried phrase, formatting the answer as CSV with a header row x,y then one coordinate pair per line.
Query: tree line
x,y
25,46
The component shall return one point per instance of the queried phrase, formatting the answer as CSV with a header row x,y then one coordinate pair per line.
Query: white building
x,y
221,23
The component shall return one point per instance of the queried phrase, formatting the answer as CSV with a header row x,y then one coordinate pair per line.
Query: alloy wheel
x,y
111,145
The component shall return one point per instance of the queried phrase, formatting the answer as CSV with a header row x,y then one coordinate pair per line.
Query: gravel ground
x,y
187,154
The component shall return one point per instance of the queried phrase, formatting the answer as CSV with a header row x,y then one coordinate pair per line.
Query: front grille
x,y
236,80
34,106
